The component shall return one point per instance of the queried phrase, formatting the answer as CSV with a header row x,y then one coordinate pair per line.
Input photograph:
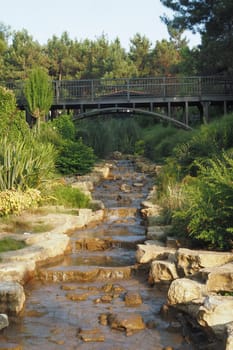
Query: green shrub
x,y
208,211
67,196
75,157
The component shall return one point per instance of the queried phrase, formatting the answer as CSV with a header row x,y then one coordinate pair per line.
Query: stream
x,y
97,297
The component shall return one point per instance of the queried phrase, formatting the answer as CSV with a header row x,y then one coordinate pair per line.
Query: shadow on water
x,y
93,280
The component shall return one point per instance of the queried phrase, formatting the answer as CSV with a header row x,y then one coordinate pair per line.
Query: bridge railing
x,y
70,91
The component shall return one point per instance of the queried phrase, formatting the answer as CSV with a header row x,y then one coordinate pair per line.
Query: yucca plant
x,y
24,164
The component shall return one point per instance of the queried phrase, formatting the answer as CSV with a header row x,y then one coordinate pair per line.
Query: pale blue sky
x,y
88,19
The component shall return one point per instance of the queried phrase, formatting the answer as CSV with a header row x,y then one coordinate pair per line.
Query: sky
x,y
89,19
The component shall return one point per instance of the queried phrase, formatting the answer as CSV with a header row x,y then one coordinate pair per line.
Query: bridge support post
x,y
169,109
186,113
225,107
205,110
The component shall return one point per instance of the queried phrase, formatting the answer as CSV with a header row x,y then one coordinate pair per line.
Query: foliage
x,y
14,202
12,122
205,143
110,134
24,164
65,126
213,19
39,94
8,243
67,196
208,212
74,157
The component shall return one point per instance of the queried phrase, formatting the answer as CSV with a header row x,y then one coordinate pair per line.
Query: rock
x,y
77,297
125,188
218,278
12,298
157,232
91,335
96,204
149,252
184,290
133,299
216,312
229,332
4,322
161,271
150,209
93,244
129,323
191,261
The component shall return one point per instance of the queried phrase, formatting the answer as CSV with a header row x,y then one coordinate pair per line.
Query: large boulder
x,y
191,261
12,298
216,312
162,271
147,252
218,278
229,341
185,290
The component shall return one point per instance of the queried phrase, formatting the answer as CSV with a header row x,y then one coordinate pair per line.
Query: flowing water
x,y
67,307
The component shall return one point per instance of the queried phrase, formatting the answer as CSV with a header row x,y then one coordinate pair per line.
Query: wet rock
x,y
106,298
77,297
12,297
133,299
103,319
93,244
97,205
161,271
129,323
4,322
191,261
91,335
112,288
184,290
125,188
67,287
149,252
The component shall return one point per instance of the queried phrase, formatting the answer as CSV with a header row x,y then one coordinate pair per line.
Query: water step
x,y
84,274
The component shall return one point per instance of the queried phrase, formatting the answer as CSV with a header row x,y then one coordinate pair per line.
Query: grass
x,y
16,225
68,197
7,244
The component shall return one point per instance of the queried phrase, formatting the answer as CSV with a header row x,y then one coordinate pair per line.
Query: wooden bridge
x,y
155,94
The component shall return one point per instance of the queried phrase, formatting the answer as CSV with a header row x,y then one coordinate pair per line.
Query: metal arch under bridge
x,y
130,111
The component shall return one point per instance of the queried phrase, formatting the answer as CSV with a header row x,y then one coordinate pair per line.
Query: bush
x,y
207,214
14,202
75,158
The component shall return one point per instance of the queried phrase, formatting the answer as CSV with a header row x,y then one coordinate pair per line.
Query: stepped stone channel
x,y
97,296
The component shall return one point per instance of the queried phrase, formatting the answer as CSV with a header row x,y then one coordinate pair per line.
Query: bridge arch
x,y
128,110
